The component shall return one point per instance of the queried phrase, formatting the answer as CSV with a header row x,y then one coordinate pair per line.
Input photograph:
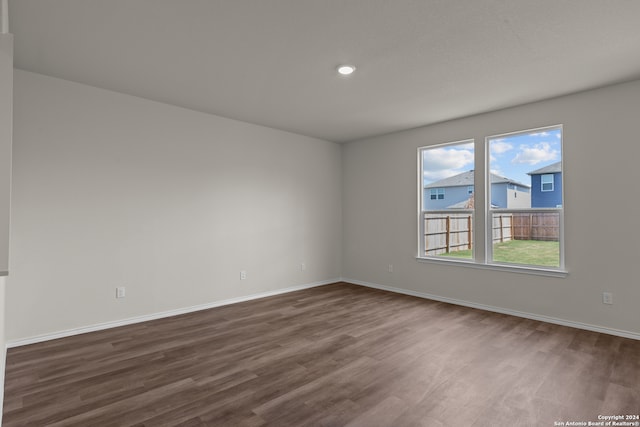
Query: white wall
x,y
112,190
6,106
6,89
602,207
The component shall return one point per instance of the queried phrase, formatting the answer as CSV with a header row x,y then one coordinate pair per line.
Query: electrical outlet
x,y
120,292
303,266
607,298
243,275
390,269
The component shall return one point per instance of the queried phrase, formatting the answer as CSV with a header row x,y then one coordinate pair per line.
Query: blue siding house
x,y
455,192
546,186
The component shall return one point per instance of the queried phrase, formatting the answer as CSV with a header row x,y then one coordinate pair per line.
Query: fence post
x,y
469,230
513,228
448,223
501,230
423,234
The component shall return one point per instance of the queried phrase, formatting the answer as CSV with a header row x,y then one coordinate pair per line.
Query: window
x,y
523,209
447,224
437,194
526,230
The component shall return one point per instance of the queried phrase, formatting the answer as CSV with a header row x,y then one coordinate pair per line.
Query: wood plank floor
x,y
336,355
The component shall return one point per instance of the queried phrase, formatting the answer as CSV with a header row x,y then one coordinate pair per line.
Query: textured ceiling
x,y
272,62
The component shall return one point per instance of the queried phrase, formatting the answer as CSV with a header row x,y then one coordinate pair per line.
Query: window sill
x,y
497,267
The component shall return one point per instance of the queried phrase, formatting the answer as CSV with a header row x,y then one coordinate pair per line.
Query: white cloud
x,y
536,153
499,146
539,134
438,159
440,163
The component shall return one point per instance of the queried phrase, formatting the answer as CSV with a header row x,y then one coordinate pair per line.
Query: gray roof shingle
x,y
552,168
466,178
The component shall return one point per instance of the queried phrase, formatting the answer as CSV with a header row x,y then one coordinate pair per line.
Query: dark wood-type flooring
x,y
336,355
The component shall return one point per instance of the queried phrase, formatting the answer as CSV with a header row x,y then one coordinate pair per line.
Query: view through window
x,y
447,218
524,199
526,208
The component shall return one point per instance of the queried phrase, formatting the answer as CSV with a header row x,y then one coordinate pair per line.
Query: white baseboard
x,y
147,317
3,348
2,375
542,318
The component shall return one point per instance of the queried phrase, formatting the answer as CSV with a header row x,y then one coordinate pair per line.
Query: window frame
x,y
437,192
490,211
482,215
542,183
421,210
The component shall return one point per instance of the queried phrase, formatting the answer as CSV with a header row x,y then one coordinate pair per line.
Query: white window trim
x,y
512,268
487,263
542,183
489,211
421,211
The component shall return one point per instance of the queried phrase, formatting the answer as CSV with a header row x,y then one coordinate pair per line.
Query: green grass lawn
x,y
532,252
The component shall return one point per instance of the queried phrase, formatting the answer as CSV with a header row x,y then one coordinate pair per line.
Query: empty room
x,y
320,213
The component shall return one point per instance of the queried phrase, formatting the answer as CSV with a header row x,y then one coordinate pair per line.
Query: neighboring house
x,y
456,191
546,186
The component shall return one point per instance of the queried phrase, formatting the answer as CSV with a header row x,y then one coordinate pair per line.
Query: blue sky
x,y
511,156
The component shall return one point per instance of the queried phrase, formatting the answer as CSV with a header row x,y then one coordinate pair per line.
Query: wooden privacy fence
x,y
526,226
451,232
446,233
536,226
502,227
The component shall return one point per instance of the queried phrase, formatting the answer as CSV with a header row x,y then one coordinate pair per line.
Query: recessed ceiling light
x,y
345,70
